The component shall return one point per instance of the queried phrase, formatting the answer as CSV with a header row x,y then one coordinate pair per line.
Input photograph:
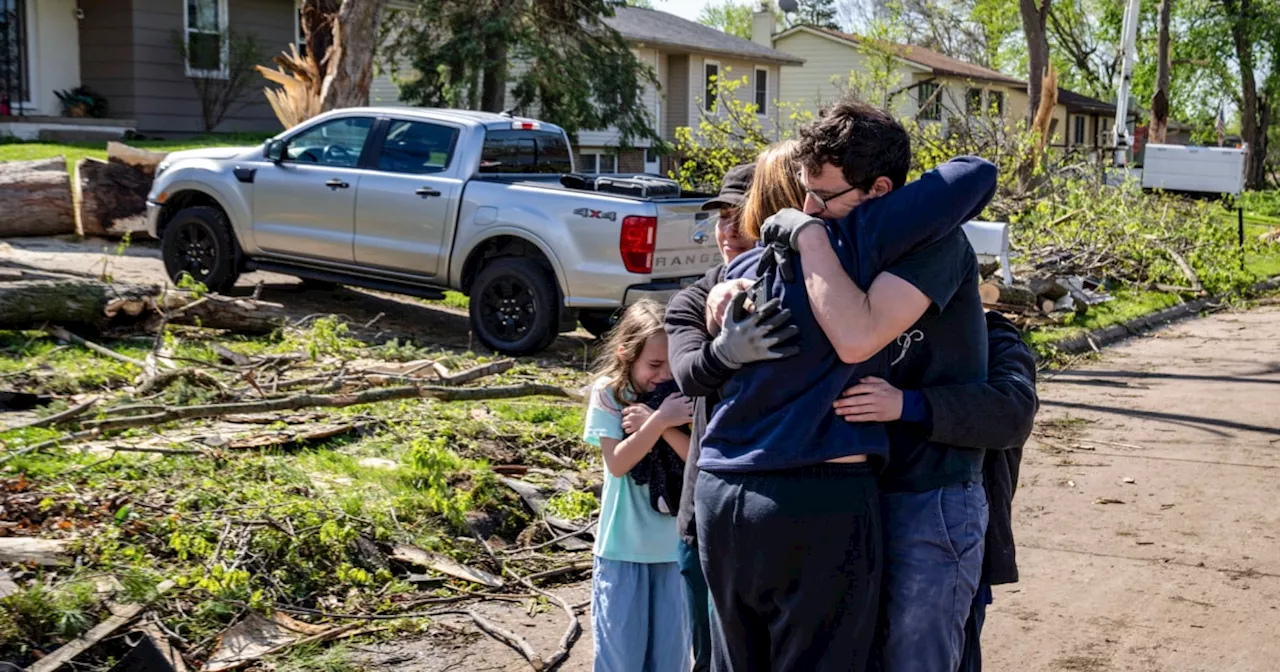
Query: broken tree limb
x,y
477,372
69,414
64,335
99,632
35,198
416,556
45,552
293,403
69,438
509,638
1185,267
164,379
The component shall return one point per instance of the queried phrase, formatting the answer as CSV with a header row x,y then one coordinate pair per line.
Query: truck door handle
x,y
427,191
336,184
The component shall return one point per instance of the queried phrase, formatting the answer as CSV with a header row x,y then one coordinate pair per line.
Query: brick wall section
x,y
631,161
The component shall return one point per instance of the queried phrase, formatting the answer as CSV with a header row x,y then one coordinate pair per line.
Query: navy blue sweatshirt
x,y
778,415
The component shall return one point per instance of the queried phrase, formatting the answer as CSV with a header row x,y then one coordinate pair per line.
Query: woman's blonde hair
x,y
622,347
775,187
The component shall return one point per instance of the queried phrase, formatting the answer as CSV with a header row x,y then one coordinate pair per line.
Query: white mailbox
x,y
1213,170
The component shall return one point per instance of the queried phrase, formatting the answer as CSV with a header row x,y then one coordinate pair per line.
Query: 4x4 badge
x,y
596,214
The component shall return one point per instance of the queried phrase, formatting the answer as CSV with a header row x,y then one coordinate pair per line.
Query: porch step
x,y
78,135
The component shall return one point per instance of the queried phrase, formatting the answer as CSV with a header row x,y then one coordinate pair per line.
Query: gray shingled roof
x,y
651,26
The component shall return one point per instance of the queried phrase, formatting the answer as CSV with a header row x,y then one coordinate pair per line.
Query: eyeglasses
x,y
822,201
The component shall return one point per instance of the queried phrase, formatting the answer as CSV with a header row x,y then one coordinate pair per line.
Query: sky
x,y
689,9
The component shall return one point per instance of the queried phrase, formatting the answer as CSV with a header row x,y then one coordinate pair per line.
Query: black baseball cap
x,y
733,191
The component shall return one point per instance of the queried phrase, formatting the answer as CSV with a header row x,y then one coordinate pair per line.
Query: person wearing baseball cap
x,y
732,196
699,372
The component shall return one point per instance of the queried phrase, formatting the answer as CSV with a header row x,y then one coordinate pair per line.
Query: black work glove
x,y
779,234
754,336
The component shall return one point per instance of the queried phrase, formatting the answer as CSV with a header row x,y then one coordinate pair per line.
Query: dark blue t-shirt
x,y
777,415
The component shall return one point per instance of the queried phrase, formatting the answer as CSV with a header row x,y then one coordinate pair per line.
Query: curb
x,y
1100,338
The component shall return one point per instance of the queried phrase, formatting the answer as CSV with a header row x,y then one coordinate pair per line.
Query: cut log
x,y
110,197
142,159
993,293
35,198
1046,287
46,552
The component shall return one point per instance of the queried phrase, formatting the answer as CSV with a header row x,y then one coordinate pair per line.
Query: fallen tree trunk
x,y
144,160
35,198
27,304
110,197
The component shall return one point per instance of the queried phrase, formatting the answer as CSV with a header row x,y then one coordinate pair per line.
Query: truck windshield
x,y
513,151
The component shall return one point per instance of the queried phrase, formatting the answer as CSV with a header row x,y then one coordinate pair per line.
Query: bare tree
x,y
1035,14
221,69
350,59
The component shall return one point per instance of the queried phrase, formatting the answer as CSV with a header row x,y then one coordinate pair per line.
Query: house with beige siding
x,y
687,57
927,86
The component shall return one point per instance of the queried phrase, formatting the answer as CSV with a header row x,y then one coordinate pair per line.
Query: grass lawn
x,y
74,151
269,523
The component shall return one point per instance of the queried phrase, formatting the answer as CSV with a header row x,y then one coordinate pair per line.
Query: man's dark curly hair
x,y
865,141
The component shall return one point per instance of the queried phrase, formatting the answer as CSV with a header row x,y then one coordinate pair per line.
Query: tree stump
x,y
35,198
110,197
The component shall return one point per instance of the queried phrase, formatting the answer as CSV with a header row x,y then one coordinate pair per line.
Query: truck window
x,y
335,143
512,151
417,147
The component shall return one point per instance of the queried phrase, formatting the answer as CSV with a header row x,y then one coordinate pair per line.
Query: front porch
x,y
63,129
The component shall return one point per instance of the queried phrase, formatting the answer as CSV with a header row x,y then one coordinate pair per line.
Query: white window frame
x,y
594,158
989,102
705,85
223,22
32,80
761,110
298,39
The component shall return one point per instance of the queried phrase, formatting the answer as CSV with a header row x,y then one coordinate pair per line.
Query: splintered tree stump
x,y
35,198
144,160
110,197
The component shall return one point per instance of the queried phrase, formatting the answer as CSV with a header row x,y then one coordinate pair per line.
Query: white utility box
x,y
1213,170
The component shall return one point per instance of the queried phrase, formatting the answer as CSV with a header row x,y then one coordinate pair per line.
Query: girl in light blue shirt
x,y
638,611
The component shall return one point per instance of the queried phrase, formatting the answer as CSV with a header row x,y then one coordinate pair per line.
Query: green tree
x,y
557,59
820,13
728,16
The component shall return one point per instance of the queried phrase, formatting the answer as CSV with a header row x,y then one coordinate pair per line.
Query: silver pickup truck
x,y
415,201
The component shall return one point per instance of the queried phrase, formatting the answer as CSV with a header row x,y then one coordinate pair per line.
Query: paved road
x,y
1179,569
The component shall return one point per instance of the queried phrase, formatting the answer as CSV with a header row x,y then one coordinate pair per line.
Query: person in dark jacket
x,y
960,415
699,370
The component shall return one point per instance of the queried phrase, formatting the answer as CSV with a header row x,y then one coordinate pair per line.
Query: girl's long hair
x,y
622,347
775,187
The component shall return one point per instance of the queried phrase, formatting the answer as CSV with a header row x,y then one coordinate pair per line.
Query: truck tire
x,y
198,242
514,306
598,322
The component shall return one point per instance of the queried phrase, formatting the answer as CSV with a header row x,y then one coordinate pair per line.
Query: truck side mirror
x,y
273,150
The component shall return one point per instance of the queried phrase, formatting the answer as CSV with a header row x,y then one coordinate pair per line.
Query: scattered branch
x,y
64,335
69,414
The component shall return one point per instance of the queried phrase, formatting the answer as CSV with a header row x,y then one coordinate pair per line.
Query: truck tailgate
x,y
686,241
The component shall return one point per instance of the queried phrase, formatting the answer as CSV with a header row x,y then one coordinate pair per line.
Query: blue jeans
x,y
972,661
934,543
699,601
638,617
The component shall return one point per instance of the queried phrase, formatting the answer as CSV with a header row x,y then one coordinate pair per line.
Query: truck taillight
x,y
637,242
526,126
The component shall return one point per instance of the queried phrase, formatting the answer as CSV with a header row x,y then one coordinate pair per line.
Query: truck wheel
x,y
514,307
598,322
198,242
